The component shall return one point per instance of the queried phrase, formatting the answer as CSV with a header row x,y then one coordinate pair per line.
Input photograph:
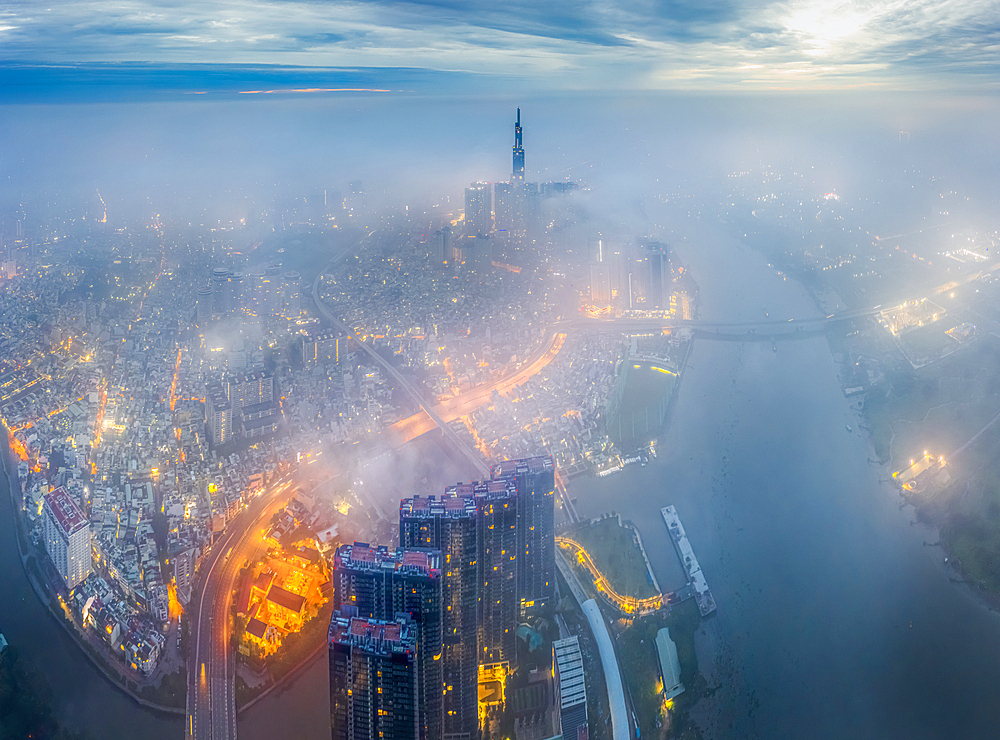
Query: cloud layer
x,y
599,45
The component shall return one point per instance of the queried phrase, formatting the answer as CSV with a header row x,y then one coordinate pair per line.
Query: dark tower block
x,y
377,583
534,479
373,679
496,525
657,273
448,524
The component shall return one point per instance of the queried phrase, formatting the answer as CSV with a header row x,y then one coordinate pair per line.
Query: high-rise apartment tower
x,y
67,536
534,478
380,584
448,524
373,679
496,533
478,209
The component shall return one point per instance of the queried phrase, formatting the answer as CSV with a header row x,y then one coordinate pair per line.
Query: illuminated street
x,y
449,433
460,405
211,704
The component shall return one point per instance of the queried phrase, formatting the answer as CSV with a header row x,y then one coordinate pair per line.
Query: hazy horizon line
x,y
39,82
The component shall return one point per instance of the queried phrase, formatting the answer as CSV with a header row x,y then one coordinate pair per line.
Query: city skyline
x,y
335,408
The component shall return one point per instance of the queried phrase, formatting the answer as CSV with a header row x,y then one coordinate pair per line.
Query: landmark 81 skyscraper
x,y
518,173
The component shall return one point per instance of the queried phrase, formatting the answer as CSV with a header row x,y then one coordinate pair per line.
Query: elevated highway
x,y
472,399
471,454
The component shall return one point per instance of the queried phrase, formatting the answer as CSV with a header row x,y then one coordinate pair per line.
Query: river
x,y
834,618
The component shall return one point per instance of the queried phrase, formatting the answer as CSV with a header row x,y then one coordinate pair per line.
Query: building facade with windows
x,y
496,534
534,479
378,583
67,537
448,524
373,680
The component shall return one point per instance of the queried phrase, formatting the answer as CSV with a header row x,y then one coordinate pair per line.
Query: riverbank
x,y
948,410
283,682
931,385
43,594
635,645
86,699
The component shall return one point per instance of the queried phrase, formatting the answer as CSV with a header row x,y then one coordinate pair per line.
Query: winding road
x,y
211,693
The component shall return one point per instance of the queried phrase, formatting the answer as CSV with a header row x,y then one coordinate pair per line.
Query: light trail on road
x,y
211,700
403,383
481,395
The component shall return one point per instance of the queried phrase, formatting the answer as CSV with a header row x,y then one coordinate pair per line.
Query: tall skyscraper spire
x,y
518,174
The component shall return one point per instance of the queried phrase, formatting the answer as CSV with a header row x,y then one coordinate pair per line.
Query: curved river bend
x,y
817,571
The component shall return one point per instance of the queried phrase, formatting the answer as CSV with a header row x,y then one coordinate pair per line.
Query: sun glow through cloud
x,y
617,45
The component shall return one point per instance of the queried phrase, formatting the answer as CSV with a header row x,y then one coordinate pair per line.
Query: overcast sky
x,y
434,45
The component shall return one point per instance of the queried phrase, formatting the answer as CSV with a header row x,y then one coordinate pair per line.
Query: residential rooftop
x,y
66,511
362,556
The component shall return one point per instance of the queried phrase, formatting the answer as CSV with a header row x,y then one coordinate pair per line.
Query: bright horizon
x,y
443,47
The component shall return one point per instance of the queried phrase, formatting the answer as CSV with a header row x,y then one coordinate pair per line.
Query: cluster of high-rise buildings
x,y
241,405
325,347
264,292
414,625
507,211
634,277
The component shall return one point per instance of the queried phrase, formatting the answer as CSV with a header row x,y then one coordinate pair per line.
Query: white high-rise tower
x,y
67,537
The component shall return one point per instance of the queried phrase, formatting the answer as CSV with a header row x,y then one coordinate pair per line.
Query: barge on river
x,y
696,579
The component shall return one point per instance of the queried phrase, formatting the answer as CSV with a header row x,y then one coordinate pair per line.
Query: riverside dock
x,y
696,579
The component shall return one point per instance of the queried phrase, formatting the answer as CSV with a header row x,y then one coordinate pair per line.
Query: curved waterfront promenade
x,y
625,604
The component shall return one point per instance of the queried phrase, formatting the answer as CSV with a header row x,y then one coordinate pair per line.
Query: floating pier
x,y
696,579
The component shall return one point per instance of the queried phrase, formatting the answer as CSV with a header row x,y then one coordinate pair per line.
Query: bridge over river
x,y
766,328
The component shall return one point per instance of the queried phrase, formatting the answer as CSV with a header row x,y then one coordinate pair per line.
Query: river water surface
x,y
834,619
